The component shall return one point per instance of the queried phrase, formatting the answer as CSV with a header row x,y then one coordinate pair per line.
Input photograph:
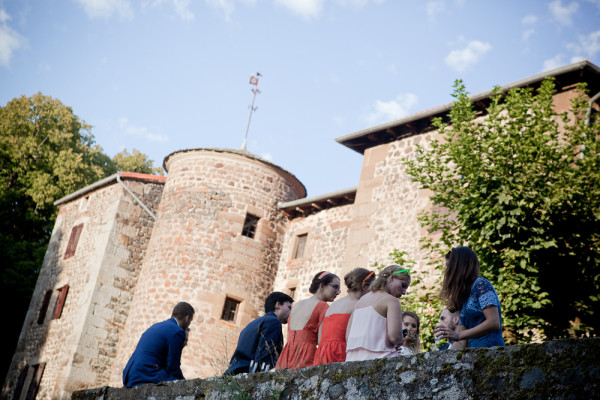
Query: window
x,y
300,245
292,292
73,240
250,225
60,301
30,376
230,309
45,304
38,372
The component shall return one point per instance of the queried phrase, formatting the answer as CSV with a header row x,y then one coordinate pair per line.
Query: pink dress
x,y
368,337
299,351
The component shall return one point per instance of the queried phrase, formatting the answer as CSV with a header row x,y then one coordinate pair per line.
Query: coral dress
x,y
299,351
332,347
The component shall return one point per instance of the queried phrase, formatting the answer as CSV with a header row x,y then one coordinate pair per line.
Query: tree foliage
x,y
136,161
521,186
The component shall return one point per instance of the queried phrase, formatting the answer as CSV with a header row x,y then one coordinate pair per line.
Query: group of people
x,y
365,324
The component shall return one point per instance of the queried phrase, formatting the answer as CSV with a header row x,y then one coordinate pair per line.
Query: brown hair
x,y
321,278
355,279
462,268
416,348
381,281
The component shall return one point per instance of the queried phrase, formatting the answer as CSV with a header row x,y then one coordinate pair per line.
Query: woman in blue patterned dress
x,y
463,289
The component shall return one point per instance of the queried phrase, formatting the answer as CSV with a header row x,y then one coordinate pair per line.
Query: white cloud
x,y
225,6
525,35
140,131
357,4
304,8
460,60
588,46
553,63
575,59
10,40
267,156
107,8
529,20
563,14
181,7
384,111
434,8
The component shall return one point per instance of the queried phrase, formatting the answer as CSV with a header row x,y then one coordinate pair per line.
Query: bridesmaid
x,y
332,334
375,326
304,322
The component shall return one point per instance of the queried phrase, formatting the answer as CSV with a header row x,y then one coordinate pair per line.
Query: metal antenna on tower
x,y
253,81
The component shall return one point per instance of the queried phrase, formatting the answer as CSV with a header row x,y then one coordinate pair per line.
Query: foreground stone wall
x,y
559,369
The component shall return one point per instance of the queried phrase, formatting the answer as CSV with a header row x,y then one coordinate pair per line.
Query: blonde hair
x,y
381,282
416,347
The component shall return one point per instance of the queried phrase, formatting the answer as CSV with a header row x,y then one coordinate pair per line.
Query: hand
x,y
442,332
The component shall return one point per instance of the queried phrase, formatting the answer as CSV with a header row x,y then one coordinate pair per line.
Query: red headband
x,y
323,274
368,276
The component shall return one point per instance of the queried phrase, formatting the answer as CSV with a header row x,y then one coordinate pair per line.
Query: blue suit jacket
x,y
157,356
261,340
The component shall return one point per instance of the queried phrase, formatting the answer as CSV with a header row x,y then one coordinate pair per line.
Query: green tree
x,y
136,161
521,186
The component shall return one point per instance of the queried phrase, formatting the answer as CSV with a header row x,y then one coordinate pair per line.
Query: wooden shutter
x,y
38,372
60,303
73,240
42,315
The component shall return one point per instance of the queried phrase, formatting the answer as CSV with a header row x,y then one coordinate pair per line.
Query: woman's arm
x,y
461,344
394,321
490,324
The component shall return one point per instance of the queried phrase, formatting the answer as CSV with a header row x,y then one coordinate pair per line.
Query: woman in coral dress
x,y
305,320
375,326
332,334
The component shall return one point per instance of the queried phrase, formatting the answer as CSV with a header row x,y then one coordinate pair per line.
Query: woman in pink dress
x,y
375,326
305,320
332,334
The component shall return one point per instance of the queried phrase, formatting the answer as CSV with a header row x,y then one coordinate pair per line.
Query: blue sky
x,y
166,75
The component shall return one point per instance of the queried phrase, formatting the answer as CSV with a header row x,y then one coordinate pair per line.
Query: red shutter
x,y
42,315
35,383
61,302
73,240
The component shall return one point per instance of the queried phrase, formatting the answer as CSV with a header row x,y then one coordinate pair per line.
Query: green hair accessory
x,y
403,270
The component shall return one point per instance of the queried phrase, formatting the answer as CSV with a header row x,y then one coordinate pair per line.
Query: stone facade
x,y
228,230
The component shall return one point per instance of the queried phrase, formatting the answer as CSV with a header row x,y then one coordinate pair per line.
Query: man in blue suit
x,y
261,341
157,357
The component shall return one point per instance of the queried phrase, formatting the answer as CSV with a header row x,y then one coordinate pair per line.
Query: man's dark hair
x,y
182,310
274,298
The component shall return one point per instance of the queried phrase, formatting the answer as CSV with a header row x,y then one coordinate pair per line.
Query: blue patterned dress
x,y
482,295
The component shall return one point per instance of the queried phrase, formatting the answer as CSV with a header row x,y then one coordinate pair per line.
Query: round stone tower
x,y
215,244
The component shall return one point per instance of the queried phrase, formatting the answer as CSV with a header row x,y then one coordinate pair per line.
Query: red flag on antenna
x,y
253,80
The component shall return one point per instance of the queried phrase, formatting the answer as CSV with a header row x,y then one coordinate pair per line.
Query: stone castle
x,y
223,230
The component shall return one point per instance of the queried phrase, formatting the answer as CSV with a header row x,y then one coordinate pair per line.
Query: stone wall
x,y
327,235
197,252
78,348
559,369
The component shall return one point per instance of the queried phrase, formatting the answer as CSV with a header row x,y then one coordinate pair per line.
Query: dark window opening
x,y
20,383
73,240
38,372
60,302
250,225
230,309
300,245
292,292
44,309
